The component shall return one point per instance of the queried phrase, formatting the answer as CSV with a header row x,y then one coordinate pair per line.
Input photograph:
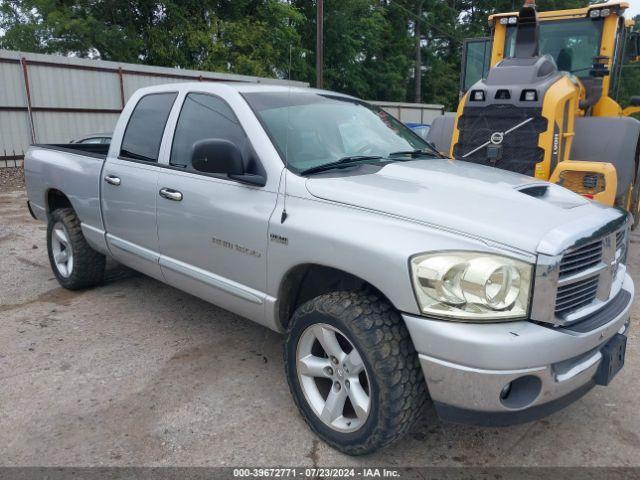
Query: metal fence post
x,y
25,77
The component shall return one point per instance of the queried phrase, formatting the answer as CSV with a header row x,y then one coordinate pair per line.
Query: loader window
x,y
571,43
475,62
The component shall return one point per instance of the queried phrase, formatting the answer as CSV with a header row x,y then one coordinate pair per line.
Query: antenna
x,y
286,145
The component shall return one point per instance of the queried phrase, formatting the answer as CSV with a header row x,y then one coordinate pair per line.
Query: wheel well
x,y
56,199
304,282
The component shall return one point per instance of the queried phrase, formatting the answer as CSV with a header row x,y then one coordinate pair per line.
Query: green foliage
x,y
370,47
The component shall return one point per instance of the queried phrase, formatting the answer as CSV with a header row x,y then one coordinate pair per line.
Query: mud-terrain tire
x,y
396,386
65,241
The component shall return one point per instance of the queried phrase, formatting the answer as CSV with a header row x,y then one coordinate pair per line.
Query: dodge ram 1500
x,y
396,275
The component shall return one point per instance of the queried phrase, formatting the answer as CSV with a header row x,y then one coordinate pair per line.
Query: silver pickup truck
x,y
395,274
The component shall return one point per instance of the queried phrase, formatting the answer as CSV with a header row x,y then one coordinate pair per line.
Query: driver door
x,y
213,230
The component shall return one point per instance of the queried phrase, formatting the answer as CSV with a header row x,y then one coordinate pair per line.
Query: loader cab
x,y
573,38
546,95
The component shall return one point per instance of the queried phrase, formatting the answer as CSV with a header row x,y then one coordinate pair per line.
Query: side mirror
x,y
217,156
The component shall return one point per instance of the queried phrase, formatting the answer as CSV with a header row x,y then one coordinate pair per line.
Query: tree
x,y
370,45
244,36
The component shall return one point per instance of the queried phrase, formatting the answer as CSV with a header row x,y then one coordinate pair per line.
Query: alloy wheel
x,y
61,249
333,378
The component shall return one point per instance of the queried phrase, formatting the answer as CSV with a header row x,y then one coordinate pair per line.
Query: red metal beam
x,y
61,109
124,71
25,73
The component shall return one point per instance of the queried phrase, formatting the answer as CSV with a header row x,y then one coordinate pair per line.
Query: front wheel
x,y
353,371
75,264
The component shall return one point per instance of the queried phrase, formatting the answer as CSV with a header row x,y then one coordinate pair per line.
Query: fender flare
x,y
611,140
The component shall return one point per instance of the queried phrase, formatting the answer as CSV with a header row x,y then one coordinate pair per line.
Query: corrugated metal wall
x,y
412,112
55,99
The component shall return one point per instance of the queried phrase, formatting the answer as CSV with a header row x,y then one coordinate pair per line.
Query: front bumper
x,y
467,366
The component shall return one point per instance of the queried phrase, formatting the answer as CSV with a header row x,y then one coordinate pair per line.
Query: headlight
x,y
471,286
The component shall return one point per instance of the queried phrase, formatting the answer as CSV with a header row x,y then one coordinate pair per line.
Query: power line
x,y
429,24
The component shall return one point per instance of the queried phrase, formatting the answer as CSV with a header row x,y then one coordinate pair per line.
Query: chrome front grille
x,y
576,295
586,271
581,259
581,279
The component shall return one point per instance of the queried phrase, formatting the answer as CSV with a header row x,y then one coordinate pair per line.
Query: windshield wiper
x,y
342,163
419,153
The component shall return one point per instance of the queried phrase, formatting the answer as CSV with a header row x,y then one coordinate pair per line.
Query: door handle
x,y
112,180
171,194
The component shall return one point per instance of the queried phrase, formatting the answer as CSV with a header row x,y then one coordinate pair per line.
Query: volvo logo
x,y
497,138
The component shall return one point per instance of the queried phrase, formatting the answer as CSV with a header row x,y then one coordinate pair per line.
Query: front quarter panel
x,y
373,246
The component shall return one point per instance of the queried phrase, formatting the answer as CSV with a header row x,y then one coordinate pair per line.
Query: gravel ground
x,y
136,373
11,178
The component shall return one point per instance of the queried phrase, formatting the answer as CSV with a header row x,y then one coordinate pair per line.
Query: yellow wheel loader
x,y
538,98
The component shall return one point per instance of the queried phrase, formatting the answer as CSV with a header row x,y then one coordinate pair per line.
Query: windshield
x,y
314,129
571,43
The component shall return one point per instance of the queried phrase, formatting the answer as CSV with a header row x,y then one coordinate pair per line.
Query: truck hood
x,y
484,202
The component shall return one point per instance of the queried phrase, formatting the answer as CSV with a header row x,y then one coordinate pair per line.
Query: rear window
x,y
144,132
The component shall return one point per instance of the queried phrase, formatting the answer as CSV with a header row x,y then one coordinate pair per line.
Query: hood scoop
x,y
553,194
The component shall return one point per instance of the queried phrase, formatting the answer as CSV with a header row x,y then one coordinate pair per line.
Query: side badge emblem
x,y
279,239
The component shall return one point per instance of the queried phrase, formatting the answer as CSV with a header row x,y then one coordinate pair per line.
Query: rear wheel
x,y
353,371
75,264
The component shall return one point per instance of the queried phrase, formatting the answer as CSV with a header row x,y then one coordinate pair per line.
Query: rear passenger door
x,y
213,230
130,186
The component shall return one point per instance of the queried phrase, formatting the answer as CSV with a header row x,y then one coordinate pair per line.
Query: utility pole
x,y
319,44
418,72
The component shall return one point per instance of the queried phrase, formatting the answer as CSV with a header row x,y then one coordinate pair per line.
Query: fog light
x,y
478,96
521,392
505,391
529,96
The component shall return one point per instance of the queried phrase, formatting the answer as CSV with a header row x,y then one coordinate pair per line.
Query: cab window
x,y
572,43
476,62
144,131
203,117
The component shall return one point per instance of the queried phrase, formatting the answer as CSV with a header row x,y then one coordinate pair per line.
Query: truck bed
x,y
76,170
97,150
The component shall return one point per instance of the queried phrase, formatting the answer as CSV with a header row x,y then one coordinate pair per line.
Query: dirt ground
x,y
138,373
